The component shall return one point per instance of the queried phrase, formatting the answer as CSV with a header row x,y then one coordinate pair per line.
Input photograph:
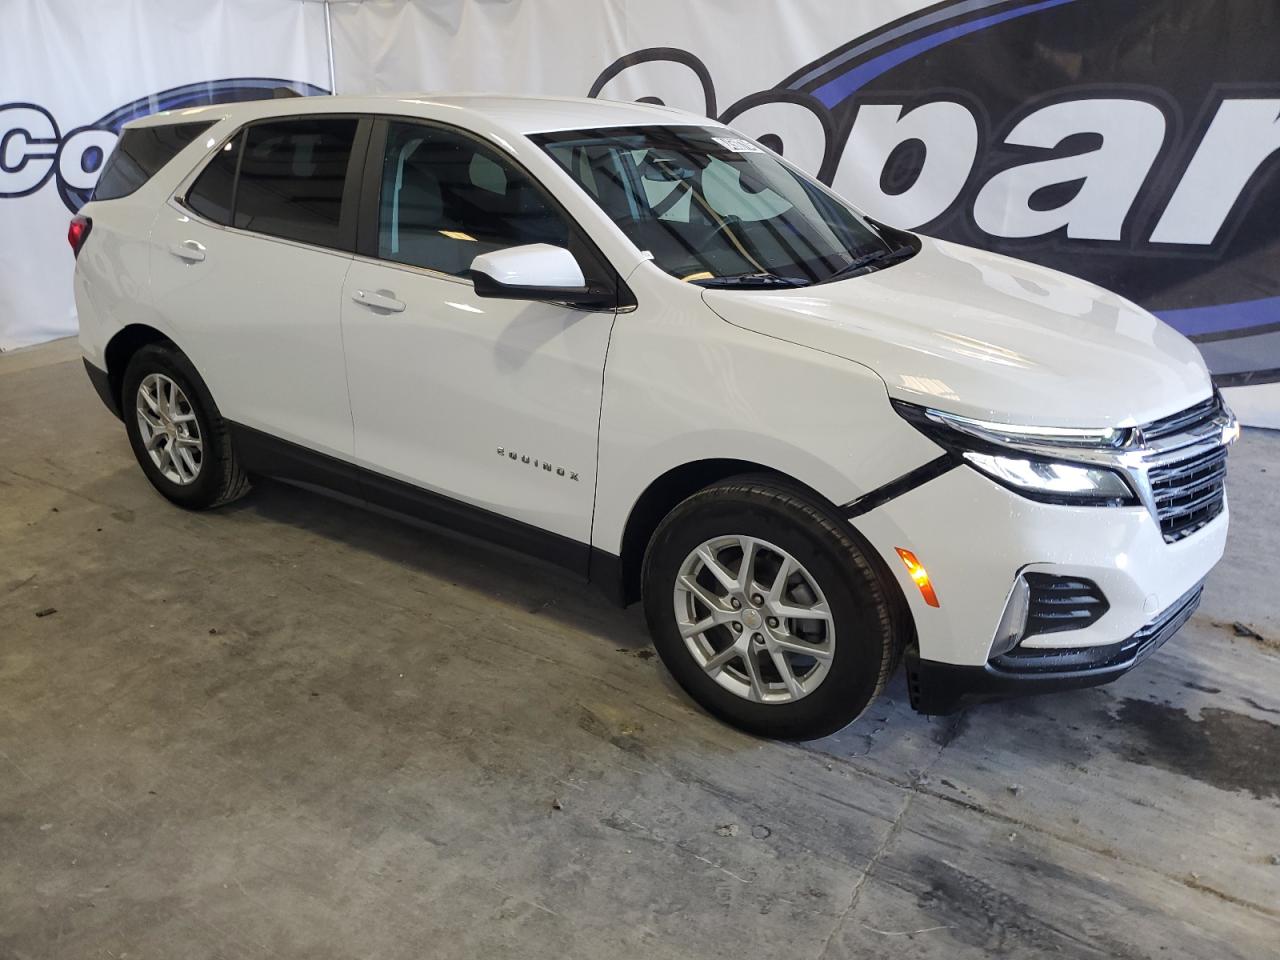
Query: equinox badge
x,y
535,462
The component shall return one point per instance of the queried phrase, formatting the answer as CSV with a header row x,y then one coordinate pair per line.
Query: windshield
x,y
715,209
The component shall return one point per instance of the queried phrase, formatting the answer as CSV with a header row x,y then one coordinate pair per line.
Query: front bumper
x,y
975,538
942,688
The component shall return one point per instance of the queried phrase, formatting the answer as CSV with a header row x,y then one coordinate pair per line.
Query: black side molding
x,y
266,455
896,488
606,574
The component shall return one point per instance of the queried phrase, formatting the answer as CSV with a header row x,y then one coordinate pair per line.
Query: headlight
x,y
1050,464
1068,481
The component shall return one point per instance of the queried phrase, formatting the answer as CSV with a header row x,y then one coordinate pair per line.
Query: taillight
x,y
78,232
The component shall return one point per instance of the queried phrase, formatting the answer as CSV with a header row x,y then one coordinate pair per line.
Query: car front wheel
x,y
767,610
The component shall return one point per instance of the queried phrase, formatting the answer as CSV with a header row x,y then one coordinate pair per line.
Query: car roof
x,y
487,112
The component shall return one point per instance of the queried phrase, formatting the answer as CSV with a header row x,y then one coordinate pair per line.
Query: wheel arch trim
x,y
618,574
121,347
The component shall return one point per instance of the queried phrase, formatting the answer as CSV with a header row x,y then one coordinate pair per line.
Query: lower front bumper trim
x,y
938,688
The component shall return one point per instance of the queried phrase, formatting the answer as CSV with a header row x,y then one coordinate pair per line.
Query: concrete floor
x,y
292,728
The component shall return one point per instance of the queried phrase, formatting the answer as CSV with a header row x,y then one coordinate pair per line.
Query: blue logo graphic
x,y
986,122
33,150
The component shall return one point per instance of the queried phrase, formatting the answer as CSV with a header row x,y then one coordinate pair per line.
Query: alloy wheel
x,y
169,429
754,619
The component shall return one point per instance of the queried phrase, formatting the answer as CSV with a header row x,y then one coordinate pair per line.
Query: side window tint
x,y
139,155
292,177
446,198
210,195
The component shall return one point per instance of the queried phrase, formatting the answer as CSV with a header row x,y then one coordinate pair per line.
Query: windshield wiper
x,y
876,260
762,279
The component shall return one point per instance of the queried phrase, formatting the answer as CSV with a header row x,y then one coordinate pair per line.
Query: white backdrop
x,y
560,46
81,60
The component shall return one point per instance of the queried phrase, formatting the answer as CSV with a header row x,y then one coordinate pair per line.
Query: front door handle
x,y
378,300
190,250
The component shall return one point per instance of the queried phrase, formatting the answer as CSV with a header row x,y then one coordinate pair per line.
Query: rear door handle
x,y
378,300
190,250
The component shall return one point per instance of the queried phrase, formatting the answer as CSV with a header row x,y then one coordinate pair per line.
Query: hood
x,y
990,337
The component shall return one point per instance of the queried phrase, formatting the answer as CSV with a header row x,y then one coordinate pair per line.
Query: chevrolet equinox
x,y
642,346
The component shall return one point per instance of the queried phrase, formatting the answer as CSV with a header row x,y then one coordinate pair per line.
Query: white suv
x,y
632,342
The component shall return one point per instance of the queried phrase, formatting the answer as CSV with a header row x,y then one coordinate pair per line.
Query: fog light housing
x,y
1013,622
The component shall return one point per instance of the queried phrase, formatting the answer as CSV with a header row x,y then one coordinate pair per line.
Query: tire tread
x,y
235,482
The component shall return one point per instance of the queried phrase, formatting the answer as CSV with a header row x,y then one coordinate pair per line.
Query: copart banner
x,y
72,73
1136,143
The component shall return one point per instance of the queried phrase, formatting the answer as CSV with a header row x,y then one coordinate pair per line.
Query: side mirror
x,y
535,271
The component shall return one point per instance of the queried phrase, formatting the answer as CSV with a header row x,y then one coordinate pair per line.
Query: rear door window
x,y
292,178
139,155
213,191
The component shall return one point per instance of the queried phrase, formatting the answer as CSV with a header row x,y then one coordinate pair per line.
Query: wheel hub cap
x,y
754,619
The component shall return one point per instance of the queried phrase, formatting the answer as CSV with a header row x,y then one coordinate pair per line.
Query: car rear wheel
x,y
767,609
178,437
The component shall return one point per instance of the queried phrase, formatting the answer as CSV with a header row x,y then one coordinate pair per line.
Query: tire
x,y
859,635
217,478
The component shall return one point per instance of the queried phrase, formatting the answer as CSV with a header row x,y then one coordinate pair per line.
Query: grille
x,y
1184,420
1062,603
1190,493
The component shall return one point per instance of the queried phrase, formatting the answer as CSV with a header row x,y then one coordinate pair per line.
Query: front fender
x,y
679,392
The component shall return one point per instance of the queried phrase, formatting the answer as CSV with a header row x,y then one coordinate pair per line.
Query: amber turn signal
x,y
919,575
